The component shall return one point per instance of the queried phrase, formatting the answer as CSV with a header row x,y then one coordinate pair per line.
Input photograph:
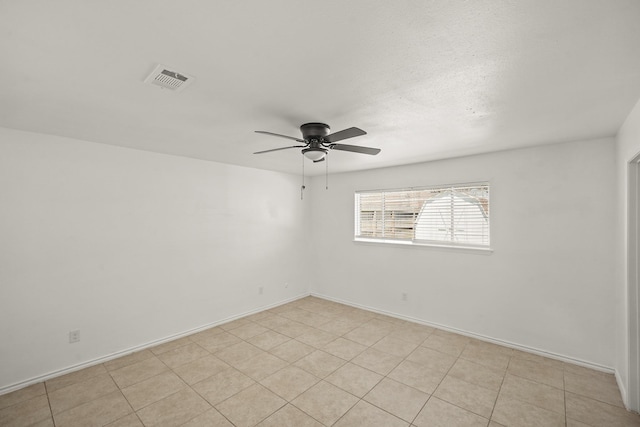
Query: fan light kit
x,y
318,141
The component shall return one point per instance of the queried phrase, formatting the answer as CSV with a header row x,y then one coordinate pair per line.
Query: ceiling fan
x,y
318,141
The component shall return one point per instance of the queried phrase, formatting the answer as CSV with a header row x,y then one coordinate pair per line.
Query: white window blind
x,y
456,215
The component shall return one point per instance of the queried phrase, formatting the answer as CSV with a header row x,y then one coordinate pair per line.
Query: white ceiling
x,y
426,79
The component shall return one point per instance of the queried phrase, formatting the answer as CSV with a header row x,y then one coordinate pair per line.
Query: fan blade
x,y
281,136
278,149
355,149
344,134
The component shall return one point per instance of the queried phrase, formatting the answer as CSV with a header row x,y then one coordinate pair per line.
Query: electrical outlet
x,y
74,336
261,290
404,296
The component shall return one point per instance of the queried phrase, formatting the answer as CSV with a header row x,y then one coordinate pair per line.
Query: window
x,y
455,215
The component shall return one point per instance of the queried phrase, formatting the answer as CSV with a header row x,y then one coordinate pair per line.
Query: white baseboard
x,y
520,347
97,361
622,388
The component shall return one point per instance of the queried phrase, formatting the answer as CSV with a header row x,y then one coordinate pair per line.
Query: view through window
x,y
456,215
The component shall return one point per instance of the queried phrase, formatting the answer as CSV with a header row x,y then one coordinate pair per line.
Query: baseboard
x,y
485,338
622,388
97,361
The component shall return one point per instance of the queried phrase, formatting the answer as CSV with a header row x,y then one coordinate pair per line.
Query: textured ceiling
x,y
426,79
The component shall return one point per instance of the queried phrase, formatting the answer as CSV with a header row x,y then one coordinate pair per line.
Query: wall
x,y
547,285
130,247
627,148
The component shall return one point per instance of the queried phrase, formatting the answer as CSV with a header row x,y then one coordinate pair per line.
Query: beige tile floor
x,y
317,363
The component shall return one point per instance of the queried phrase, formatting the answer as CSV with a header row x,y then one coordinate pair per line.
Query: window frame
x,y
442,244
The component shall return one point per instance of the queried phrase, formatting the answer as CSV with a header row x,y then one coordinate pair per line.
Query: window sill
x,y
401,243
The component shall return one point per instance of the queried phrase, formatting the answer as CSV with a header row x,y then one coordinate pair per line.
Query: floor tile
x,y
395,346
218,342
486,354
127,360
238,353
26,412
292,351
513,412
398,399
316,338
595,413
290,382
261,366
602,388
449,344
289,416
432,359
200,369
137,372
437,413
248,330
354,379
539,359
74,377
235,324
581,370
377,361
339,326
325,402
82,392
268,340
477,374
205,334
381,323
48,422
98,412
210,418
538,394
21,395
292,328
573,423
170,345
320,363
471,397
153,389
537,372
263,403
415,334
223,385
364,414
366,335
344,348
130,420
174,410
183,355
417,376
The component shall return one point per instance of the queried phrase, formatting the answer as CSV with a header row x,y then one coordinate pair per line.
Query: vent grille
x,y
168,79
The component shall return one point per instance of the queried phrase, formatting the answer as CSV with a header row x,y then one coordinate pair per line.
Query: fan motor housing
x,y
314,130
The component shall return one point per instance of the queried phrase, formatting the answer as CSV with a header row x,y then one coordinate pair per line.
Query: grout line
x,y
46,392
564,395
500,389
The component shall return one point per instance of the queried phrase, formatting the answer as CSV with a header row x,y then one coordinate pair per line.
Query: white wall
x,y
130,247
627,148
548,283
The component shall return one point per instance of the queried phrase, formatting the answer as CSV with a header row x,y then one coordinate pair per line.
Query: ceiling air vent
x,y
168,79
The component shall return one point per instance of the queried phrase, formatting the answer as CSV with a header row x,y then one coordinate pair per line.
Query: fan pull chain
x,y
303,187
326,171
